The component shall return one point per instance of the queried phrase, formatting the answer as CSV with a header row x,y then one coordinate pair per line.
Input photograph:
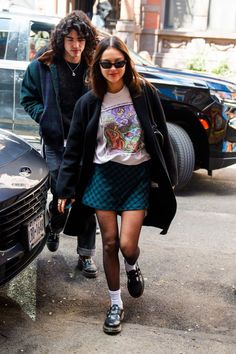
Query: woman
x,y
111,157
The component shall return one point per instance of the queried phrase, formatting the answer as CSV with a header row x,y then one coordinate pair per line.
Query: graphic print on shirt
x,y
122,129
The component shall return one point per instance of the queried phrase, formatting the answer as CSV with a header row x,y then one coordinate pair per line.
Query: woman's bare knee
x,y
127,248
111,246
130,252
131,223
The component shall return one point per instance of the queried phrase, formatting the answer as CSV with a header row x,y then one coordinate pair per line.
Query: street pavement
x,y
189,303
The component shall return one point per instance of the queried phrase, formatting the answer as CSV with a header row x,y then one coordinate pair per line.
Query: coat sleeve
x,y
70,168
31,96
167,148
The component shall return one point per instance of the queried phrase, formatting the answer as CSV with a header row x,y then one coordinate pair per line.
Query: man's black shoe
x,y
135,282
52,239
88,267
112,324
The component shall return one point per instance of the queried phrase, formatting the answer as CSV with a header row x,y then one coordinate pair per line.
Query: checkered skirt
x,y
118,187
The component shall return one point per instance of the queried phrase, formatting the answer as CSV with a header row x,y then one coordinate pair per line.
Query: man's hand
x,y
64,204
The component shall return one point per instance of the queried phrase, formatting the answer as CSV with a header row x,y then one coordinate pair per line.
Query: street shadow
x,y
56,271
62,288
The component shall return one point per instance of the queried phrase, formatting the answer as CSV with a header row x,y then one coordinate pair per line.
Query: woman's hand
x,y
64,203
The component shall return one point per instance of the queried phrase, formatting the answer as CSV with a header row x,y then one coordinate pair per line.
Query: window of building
x,y
114,14
219,15
222,15
84,5
179,14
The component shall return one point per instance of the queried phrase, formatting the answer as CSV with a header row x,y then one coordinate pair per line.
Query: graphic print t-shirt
x,y
119,137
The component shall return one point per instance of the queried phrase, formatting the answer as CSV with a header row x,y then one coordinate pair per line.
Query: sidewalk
x,y
76,335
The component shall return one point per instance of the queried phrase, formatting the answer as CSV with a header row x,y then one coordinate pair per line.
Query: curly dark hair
x,y
131,77
77,20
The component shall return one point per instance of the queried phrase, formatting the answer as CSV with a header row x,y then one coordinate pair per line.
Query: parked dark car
x,y
200,110
201,117
23,197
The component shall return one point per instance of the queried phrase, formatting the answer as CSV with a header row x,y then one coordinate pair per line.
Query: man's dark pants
x,y
85,240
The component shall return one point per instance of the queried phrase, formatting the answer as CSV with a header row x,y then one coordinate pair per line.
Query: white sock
x,y
116,298
129,267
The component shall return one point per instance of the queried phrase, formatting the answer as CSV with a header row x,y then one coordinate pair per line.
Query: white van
x,y
22,34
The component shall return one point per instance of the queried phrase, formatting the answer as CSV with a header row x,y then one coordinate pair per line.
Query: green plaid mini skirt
x,y
118,187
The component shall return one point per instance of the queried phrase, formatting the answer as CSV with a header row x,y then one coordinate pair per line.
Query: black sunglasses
x,y
106,64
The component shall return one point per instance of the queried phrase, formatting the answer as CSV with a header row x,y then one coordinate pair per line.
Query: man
x,y
51,86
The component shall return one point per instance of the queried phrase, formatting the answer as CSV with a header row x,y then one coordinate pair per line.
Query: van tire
x,y
184,152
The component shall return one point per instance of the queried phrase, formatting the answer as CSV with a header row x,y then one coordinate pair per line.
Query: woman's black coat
x,y
77,166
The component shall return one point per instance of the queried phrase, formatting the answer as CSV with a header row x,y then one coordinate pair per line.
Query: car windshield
x,y
138,59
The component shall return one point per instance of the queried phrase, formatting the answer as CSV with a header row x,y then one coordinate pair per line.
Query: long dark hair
x,y
97,81
77,20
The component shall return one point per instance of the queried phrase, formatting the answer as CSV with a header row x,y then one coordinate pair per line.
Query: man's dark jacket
x,y
40,98
77,166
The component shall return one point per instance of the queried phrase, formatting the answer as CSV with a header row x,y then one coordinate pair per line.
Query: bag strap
x,y
156,131
149,105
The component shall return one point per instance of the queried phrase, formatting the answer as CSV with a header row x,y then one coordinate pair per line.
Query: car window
x,y
138,59
4,30
8,39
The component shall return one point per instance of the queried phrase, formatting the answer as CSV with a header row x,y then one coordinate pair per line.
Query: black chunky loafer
x,y
112,324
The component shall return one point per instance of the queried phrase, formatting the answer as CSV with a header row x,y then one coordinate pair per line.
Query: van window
x,y
4,30
8,39
39,37
20,42
3,44
21,37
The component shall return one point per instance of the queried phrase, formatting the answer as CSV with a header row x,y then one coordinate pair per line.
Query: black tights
x,y
126,240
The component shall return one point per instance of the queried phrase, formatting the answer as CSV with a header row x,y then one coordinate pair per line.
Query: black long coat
x,y
77,166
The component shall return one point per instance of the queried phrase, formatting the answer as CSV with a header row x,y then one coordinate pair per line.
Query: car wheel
x,y
184,151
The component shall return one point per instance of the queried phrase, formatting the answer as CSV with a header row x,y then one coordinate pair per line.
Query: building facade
x,y
196,34
199,34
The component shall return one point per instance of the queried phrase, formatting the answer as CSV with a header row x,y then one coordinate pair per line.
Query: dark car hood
x,y
21,166
187,78
11,147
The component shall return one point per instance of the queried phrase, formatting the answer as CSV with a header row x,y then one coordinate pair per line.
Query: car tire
x,y
184,152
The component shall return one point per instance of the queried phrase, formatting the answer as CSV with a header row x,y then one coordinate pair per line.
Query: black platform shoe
x,y
112,324
52,239
135,282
